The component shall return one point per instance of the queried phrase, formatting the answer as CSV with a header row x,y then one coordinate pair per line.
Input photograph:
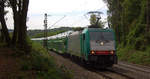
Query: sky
x,y
73,10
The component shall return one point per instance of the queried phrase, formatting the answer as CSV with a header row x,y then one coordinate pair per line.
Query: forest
x,y
130,20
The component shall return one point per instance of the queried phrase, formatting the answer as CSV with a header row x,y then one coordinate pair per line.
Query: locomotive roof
x,y
96,30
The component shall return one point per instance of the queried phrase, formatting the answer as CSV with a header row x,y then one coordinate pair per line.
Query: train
x,y
93,46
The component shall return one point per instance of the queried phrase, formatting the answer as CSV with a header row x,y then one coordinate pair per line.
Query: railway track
x,y
112,75
133,71
130,71
120,71
125,71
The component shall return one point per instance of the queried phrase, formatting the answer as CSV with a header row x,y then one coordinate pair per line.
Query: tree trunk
x,y
14,38
22,29
16,18
16,27
3,23
148,15
20,9
2,36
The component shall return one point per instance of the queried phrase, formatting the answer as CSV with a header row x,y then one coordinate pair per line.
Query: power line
x,y
58,21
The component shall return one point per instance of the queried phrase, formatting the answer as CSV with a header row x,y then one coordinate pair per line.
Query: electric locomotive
x,y
95,46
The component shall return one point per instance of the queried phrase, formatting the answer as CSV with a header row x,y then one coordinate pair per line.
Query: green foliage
x,y
93,21
2,44
42,64
134,56
128,19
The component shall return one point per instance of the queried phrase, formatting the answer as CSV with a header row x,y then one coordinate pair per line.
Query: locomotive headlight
x,y
92,52
101,43
112,52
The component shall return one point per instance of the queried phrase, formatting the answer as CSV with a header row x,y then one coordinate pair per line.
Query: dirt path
x,y
8,64
77,71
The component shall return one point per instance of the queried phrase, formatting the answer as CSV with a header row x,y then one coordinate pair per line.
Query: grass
x,y
43,64
2,44
134,56
38,64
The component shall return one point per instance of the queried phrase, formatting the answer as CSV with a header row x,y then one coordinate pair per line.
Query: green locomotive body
x,y
94,45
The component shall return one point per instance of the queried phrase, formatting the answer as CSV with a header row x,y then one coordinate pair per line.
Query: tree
x,y
3,22
93,19
129,19
95,22
20,9
1,37
148,15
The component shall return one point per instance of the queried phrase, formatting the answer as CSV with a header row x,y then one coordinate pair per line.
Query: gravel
x,y
77,71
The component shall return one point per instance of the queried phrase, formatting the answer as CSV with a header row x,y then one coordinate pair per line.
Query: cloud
x,y
59,6
73,9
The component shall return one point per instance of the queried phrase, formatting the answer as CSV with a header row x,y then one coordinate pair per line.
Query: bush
x,y
129,54
43,64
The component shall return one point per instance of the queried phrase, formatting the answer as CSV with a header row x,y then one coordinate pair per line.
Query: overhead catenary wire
x,y
57,21
80,20
75,22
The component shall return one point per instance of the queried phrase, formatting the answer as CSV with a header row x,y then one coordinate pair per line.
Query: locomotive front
x,y
102,47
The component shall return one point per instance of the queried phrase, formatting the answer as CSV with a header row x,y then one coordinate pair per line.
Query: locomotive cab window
x,y
102,41
102,36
